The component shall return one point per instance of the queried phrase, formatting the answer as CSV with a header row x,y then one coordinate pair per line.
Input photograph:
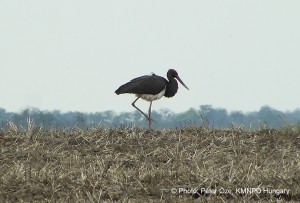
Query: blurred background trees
x,y
205,115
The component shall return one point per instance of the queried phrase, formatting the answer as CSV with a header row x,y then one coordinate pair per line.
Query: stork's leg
x,y
148,117
149,113
133,104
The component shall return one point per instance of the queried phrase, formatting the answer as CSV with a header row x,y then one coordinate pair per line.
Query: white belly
x,y
150,97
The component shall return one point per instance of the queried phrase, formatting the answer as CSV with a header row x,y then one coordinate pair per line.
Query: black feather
x,y
147,84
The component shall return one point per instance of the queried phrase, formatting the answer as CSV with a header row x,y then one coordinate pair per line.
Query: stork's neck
x,y
171,88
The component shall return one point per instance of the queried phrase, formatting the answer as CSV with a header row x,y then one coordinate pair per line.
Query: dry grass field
x,y
123,164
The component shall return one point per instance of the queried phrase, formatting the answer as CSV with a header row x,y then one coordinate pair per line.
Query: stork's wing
x,y
147,84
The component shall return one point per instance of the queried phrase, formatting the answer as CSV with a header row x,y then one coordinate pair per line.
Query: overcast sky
x,y
72,55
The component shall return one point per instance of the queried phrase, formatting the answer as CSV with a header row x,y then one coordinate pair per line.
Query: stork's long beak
x,y
178,78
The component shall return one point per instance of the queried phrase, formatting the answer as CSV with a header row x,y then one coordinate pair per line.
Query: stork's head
x,y
173,74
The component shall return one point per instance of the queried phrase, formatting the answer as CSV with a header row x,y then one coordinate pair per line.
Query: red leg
x,y
133,104
149,113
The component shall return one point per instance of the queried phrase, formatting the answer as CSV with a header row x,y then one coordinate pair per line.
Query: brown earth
x,y
141,165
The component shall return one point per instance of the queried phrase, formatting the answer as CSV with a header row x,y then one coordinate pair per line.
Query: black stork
x,y
150,88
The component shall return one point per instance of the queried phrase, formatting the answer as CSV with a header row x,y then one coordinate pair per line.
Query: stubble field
x,y
140,165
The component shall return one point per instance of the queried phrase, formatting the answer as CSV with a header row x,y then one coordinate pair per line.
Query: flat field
x,y
191,164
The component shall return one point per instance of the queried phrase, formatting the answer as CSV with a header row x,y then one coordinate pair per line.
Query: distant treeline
x,y
206,115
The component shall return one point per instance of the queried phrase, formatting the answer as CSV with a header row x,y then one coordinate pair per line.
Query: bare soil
x,y
139,165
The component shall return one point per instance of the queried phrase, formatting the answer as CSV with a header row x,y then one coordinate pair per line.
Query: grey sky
x,y
73,55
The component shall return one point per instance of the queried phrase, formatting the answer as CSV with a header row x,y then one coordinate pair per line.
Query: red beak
x,y
178,78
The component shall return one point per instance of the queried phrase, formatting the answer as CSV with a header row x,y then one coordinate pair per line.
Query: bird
x,y
150,88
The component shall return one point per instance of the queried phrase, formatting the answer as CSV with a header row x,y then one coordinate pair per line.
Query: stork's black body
x,y
151,87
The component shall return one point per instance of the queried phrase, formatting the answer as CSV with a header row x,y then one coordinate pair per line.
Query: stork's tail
x,y
118,91
123,89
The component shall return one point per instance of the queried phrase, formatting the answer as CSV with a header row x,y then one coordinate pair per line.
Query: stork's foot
x,y
151,120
